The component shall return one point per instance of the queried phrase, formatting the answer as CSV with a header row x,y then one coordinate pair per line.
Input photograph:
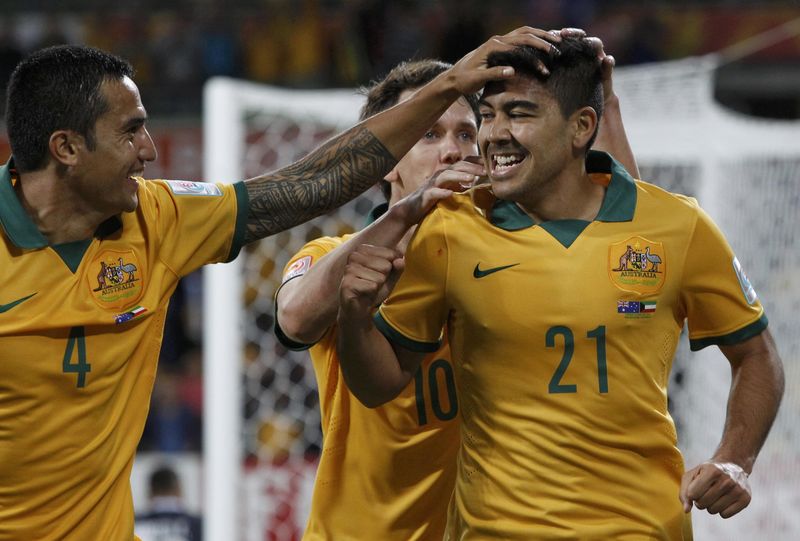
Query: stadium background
x,y
315,44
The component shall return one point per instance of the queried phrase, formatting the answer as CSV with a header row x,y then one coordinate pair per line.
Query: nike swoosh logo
x,y
478,273
9,306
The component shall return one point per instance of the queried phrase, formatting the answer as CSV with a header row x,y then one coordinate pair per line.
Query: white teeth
x,y
507,160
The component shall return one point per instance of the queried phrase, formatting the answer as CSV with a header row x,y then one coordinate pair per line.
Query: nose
x,y
147,150
498,130
450,152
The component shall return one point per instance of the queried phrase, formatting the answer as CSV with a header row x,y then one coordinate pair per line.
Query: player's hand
x,y
471,73
607,61
369,276
458,177
719,487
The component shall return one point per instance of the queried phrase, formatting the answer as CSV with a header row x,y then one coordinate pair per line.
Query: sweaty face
x,y
524,139
452,138
104,176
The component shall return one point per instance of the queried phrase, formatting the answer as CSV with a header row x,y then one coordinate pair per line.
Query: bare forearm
x,y
369,364
612,138
756,391
307,306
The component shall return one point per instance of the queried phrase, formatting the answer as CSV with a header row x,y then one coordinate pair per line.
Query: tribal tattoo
x,y
328,177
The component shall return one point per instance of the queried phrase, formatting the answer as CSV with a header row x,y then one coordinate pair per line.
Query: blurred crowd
x,y
177,45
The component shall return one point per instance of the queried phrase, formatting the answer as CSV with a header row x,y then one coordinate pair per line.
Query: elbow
x,y
297,325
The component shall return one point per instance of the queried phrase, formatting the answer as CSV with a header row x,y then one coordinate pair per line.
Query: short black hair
x,y
409,75
575,78
57,88
164,482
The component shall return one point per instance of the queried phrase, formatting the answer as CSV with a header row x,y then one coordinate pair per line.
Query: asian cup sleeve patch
x,y
297,268
188,187
747,288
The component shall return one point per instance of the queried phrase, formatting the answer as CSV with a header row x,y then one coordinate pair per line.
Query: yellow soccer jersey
x,y
385,473
80,333
562,336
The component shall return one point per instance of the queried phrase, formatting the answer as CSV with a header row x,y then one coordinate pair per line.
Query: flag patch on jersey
x,y
747,288
297,268
636,307
637,265
188,187
127,316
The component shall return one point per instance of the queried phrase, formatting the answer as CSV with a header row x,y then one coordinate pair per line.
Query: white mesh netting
x,y
746,174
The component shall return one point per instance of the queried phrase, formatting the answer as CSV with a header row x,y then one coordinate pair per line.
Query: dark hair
x,y
575,78
164,481
57,88
409,75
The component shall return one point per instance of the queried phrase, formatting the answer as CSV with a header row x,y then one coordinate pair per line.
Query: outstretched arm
x,y
306,306
351,162
611,137
373,369
720,485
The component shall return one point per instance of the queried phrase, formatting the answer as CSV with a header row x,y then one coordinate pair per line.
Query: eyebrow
x,y
507,106
134,122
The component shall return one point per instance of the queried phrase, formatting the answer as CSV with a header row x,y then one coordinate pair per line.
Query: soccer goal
x,y
262,435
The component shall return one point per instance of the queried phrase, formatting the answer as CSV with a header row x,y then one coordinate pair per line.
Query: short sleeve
x,y
197,222
416,311
297,266
721,305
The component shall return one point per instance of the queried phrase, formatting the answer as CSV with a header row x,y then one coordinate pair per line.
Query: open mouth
x,y
505,164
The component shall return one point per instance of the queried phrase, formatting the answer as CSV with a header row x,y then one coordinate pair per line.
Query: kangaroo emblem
x,y
625,259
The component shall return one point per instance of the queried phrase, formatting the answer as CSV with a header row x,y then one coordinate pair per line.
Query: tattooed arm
x,y
350,163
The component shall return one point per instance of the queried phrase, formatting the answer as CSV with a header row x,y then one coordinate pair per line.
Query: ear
x,y
64,146
584,124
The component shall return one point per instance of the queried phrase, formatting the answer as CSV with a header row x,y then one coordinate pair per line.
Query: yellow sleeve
x,y
720,304
416,311
197,223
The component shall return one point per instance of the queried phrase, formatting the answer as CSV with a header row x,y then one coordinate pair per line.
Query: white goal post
x,y
261,424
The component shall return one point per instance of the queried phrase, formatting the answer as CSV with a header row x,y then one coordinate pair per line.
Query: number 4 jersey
x,y
385,473
80,333
562,335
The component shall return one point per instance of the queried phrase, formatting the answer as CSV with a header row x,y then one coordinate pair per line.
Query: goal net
x,y
262,436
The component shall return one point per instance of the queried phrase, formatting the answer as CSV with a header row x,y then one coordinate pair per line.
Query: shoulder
x,y
679,205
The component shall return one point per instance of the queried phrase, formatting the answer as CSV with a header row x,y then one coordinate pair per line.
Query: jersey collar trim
x,y
18,226
377,212
618,205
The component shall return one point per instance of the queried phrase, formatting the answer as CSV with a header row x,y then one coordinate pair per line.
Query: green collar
x,y
377,212
619,204
24,234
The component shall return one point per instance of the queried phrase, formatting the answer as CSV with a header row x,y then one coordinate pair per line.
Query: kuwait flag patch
x,y
636,308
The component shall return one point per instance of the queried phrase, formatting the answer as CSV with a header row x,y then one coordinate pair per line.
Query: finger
x,y
371,250
552,36
735,507
687,478
597,45
572,33
724,501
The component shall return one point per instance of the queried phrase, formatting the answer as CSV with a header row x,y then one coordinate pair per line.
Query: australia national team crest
x,y
115,279
637,265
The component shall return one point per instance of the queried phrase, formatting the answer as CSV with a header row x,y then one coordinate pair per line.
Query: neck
x,y
55,210
570,195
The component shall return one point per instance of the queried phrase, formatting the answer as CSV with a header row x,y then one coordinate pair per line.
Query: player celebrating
x,y
563,289
395,466
91,253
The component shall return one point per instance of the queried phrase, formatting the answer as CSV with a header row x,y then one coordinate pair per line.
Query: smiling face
x,y
524,139
103,177
452,138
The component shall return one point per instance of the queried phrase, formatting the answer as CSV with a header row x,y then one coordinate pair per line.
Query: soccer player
x,y
563,287
394,467
91,253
